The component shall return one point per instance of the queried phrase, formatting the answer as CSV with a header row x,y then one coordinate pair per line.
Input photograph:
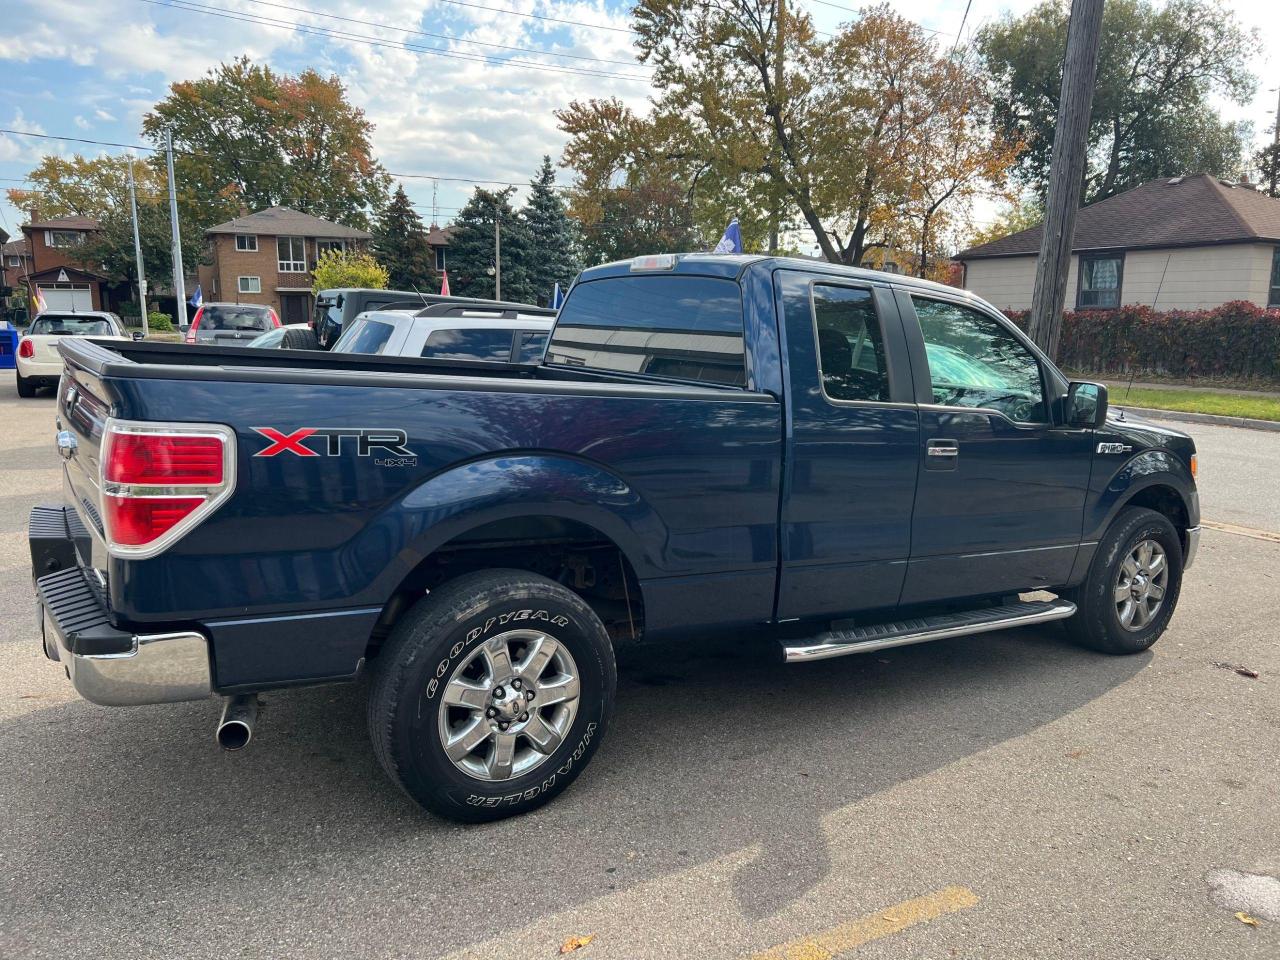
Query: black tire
x,y
300,340
1096,624
434,641
25,387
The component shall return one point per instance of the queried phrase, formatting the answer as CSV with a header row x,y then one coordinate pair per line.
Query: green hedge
x,y
1237,341
159,321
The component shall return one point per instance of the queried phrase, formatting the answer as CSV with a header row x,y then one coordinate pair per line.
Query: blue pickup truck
x,y
834,459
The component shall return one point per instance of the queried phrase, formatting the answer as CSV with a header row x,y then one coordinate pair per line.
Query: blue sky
x,y
92,69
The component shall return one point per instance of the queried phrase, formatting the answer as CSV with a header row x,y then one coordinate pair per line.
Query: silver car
x,y
231,324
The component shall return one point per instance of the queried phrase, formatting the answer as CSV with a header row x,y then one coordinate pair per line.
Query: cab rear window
x,y
684,328
235,318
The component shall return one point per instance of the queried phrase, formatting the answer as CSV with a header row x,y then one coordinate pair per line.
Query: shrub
x,y
337,268
1236,341
159,321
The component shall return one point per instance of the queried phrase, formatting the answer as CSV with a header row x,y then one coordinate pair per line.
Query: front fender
x,y
1149,468
514,485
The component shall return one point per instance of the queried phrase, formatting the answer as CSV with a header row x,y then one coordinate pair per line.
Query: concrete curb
x,y
1247,423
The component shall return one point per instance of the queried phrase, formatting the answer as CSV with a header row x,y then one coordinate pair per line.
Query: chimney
x,y
244,211
1247,185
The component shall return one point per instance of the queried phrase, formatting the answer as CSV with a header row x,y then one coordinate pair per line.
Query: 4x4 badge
x,y
1114,448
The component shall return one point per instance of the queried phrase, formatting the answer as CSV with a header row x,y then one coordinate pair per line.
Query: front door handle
x,y
941,454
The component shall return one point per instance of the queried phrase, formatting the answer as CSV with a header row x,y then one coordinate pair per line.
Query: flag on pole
x,y
444,286
731,242
197,298
557,298
38,299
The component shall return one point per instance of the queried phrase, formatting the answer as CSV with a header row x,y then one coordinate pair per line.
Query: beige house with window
x,y
1184,243
267,257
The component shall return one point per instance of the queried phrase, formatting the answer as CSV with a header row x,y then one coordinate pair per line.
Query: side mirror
x,y
137,334
1086,404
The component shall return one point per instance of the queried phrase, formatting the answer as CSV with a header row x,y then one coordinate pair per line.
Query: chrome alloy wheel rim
x,y
509,705
1141,584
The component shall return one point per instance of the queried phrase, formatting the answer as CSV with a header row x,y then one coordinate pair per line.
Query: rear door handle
x,y
941,454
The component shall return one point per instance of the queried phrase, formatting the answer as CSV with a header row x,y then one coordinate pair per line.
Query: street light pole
x,y
179,284
137,252
497,254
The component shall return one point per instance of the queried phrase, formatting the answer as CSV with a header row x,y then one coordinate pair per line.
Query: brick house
x,y
55,266
15,264
267,257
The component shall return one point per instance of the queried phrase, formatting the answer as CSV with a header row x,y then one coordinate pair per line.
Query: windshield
x,y
235,317
365,336
70,324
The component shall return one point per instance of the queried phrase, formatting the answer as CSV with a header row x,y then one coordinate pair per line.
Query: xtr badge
x,y
303,442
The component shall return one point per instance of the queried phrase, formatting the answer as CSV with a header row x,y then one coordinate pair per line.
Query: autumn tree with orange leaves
x,y
247,136
875,138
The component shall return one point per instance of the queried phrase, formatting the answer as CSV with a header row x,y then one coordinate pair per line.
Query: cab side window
x,y
850,346
976,362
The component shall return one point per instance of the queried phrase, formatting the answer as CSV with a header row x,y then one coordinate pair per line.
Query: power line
x,y
955,45
261,20
438,36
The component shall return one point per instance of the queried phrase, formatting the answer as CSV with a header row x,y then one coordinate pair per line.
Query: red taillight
x,y
195,322
159,458
27,349
136,521
274,319
159,481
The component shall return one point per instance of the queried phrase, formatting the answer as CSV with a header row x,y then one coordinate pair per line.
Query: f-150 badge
x,y
1114,448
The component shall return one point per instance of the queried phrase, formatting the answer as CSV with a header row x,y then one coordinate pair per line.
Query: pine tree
x,y
555,247
400,243
471,248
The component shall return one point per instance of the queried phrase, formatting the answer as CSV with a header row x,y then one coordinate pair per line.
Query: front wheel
x,y
1133,585
492,695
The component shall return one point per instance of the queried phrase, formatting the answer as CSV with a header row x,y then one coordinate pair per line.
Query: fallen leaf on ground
x,y
1246,672
577,943
1245,918
1077,753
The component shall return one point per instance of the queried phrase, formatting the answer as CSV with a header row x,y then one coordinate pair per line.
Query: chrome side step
x,y
881,636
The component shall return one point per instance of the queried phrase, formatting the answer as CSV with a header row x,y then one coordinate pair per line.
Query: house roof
x,y
15,248
65,223
282,221
1192,211
439,236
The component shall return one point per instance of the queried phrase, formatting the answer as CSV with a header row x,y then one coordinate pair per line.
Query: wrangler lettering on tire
x,y
492,695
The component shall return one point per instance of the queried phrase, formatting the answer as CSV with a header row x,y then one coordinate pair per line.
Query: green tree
x,y
471,248
1160,70
245,135
1268,162
98,187
554,244
650,217
400,242
1021,214
348,268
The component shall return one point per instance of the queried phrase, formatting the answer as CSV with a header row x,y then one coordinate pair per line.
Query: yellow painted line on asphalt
x,y
849,936
1268,535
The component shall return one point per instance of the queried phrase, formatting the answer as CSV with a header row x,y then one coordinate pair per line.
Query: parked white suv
x,y
39,363
449,331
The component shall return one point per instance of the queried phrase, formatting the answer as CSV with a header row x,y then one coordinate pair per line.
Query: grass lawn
x,y
1196,401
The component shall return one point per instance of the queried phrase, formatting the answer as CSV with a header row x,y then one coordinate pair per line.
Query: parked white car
x,y
448,331
39,363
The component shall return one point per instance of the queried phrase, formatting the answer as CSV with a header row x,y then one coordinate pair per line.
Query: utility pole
x,y
775,214
179,284
137,252
1066,172
497,253
1274,179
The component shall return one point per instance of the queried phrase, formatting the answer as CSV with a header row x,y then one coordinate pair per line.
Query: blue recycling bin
x,y
8,346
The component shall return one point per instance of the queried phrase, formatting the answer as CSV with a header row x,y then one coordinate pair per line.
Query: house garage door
x,y
67,296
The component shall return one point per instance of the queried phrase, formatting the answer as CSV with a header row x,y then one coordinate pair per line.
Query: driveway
x,y
1006,795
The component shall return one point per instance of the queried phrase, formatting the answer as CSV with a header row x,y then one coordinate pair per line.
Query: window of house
x,y
1099,283
440,258
292,254
246,242
62,238
15,261
250,284
1273,298
975,361
327,246
850,345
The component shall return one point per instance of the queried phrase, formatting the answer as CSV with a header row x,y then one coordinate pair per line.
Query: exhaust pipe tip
x,y
235,729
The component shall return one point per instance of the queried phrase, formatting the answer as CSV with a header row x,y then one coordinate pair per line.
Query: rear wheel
x,y
492,695
1133,585
25,387
299,340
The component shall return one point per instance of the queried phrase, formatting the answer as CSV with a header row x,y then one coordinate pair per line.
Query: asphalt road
x,y
998,796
